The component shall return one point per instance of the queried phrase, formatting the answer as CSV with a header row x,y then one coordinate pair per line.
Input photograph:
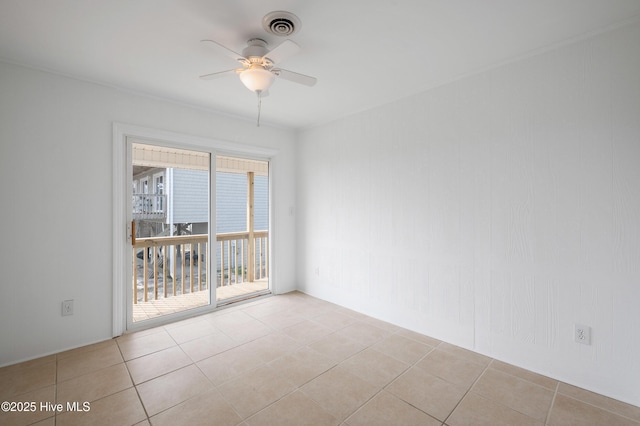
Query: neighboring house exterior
x,y
172,200
231,202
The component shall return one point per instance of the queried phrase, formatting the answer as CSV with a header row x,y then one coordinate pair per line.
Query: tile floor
x,y
292,360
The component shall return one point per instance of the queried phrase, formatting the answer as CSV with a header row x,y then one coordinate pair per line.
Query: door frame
x,y
122,181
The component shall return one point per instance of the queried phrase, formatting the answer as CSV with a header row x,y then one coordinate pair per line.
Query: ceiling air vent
x,y
281,23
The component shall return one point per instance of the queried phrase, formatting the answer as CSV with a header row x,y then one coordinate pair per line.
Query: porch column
x,y
251,249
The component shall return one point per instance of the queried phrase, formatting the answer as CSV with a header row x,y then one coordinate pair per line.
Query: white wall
x,y
56,196
493,212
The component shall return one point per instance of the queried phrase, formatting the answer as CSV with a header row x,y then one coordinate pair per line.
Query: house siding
x,y
231,202
190,196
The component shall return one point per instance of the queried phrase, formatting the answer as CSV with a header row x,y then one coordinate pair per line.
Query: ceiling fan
x,y
259,69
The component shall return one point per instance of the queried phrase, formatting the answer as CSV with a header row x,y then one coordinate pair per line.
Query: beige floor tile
x,y
229,364
42,395
475,410
94,385
465,353
231,319
301,366
207,408
282,320
207,346
186,321
428,393
136,346
387,326
26,378
295,409
273,346
334,319
307,331
51,421
538,379
339,392
452,368
122,408
192,330
518,394
601,401
385,409
430,341
263,309
171,389
142,333
324,304
337,347
254,390
567,411
247,332
375,367
364,333
403,348
87,348
311,309
87,362
351,313
157,364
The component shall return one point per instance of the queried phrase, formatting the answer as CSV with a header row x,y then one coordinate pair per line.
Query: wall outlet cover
x,y
67,307
582,334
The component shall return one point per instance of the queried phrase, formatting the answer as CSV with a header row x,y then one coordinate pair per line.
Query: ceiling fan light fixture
x,y
257,79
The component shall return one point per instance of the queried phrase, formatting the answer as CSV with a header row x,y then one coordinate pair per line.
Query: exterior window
x,y
146,202
158,190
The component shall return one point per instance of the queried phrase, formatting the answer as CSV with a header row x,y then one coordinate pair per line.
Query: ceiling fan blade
x,y
218,74
295,77
282,51
224,50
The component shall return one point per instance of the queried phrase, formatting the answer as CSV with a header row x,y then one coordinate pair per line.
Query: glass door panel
x,y
242,228
171,217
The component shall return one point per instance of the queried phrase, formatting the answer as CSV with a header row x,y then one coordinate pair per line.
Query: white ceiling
x,y
364,52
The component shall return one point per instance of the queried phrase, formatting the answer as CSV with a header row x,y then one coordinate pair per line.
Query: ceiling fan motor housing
x,y
256,48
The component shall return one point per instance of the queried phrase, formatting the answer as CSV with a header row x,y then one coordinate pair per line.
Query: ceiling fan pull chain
x,y
259,106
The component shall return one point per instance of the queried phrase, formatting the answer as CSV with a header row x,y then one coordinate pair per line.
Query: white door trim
x,y
121,207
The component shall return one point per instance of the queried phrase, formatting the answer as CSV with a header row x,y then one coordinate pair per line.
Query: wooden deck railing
x,y
170,266
240,262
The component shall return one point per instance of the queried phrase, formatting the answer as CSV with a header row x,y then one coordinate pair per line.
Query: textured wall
x,y
56,184
493,212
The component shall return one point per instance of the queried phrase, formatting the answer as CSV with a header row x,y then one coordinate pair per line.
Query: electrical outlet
x,y
582,334
67,307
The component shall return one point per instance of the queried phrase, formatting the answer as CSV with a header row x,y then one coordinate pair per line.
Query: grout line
x,y
361,405
468,390
599,407
135,387
553,401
